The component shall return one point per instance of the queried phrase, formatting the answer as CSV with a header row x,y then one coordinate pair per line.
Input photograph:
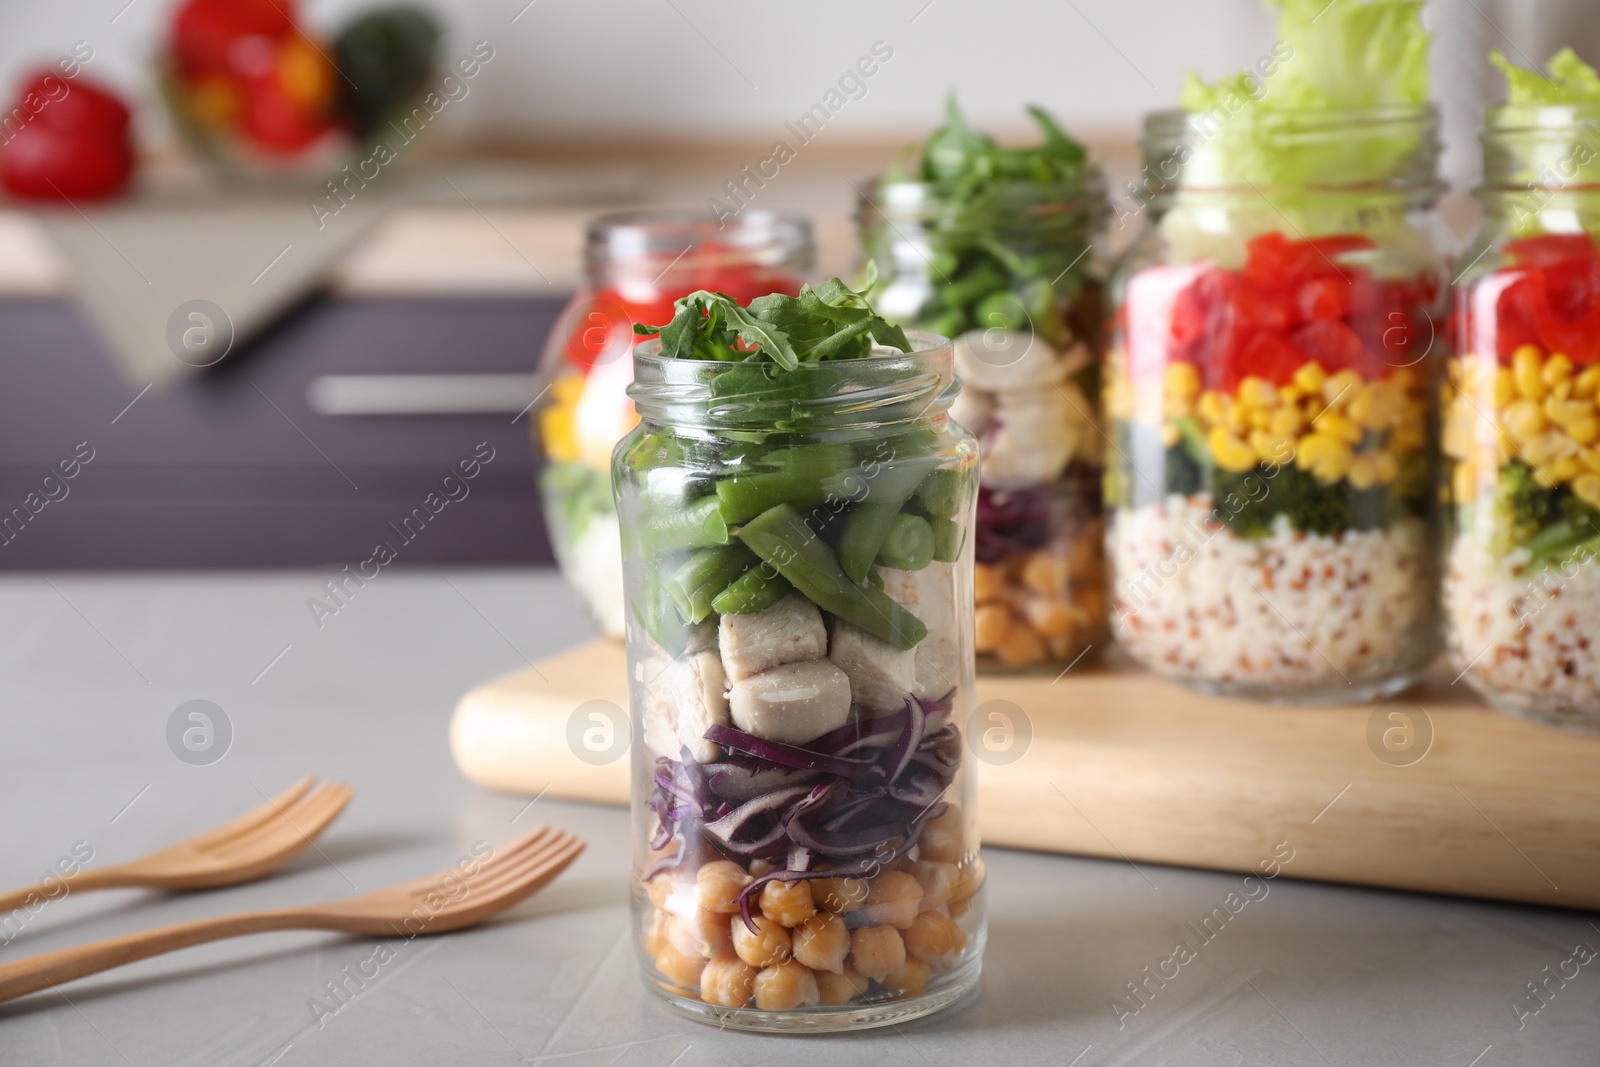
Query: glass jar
x,y
637,265
1521,429
1270,386
805,853
1015,279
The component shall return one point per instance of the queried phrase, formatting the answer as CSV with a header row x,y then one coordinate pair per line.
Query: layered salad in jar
x,y
993,246
797,507
1270,379
1522,420
638,264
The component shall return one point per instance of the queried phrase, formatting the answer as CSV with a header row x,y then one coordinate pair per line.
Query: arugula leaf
x,y
979,249
825,322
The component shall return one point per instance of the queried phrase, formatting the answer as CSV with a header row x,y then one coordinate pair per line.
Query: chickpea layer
x,y
901,930
1041,606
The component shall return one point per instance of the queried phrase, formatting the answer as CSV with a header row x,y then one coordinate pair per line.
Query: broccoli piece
x,y
1522,507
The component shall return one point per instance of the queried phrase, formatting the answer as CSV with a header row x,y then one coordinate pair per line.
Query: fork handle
x,y
38,894
52,968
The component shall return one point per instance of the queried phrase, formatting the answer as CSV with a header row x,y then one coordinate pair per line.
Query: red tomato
x,y
1332,344
1549,249
1554,302
1275,260
1260,307
1268,356
592,325
1323,298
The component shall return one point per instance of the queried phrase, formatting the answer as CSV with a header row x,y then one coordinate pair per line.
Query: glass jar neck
x,y
1385,155
1014,212
676,250
836,399
1541,148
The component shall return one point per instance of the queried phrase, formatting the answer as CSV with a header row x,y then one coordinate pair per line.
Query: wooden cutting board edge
x,y
1123,765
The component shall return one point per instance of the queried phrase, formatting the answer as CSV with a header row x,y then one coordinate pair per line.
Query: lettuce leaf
x,y
1337,55
1570,81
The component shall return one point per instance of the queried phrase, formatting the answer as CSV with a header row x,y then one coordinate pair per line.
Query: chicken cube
x,y
660,724
793,703
696,688
790,631
929,594
881,675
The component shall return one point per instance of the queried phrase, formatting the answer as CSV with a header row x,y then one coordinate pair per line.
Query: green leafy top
x,y
957,154
1570,81
825,322
1350,54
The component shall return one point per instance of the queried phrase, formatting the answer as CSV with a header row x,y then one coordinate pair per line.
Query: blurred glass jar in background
x,y
1009,269
1521,426
637,264
1270,395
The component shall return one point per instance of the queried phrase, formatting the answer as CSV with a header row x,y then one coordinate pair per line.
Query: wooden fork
x,y
453,898
256,842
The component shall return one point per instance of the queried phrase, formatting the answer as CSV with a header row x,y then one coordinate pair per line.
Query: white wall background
x,y
737,69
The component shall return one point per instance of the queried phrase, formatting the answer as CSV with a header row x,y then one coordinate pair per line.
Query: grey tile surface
x,y
94,666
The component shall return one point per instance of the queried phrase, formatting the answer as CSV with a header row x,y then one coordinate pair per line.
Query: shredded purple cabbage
x,y
850,801
1011,522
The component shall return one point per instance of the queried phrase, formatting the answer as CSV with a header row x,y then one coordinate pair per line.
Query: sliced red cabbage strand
x,y
782,754
906,746
867,733
740,779
734,830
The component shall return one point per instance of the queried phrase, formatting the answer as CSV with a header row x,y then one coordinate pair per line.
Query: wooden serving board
x,y
1124,765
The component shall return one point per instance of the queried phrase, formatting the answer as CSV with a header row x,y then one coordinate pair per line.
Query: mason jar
x,y
636,264
805,852
1521,426
1270,391
1015,278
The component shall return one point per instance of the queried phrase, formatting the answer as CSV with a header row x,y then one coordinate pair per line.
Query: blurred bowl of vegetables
x,y
261,94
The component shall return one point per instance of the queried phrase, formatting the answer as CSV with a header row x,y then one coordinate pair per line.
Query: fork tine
x,y
550,852
506,854
532,879
298,823
255,816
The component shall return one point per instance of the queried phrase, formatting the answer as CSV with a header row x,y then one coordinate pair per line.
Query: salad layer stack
x,y
1522,432
1270,516
799,632
1003,264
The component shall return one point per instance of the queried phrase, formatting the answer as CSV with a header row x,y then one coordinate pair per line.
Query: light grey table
x,y
95,666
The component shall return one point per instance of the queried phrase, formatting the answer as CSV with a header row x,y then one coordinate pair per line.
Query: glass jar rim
x,y
886,388
919,201
671,234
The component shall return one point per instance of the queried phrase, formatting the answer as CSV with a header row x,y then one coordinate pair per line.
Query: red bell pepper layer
x,y
619,307
1547,295
1296,301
